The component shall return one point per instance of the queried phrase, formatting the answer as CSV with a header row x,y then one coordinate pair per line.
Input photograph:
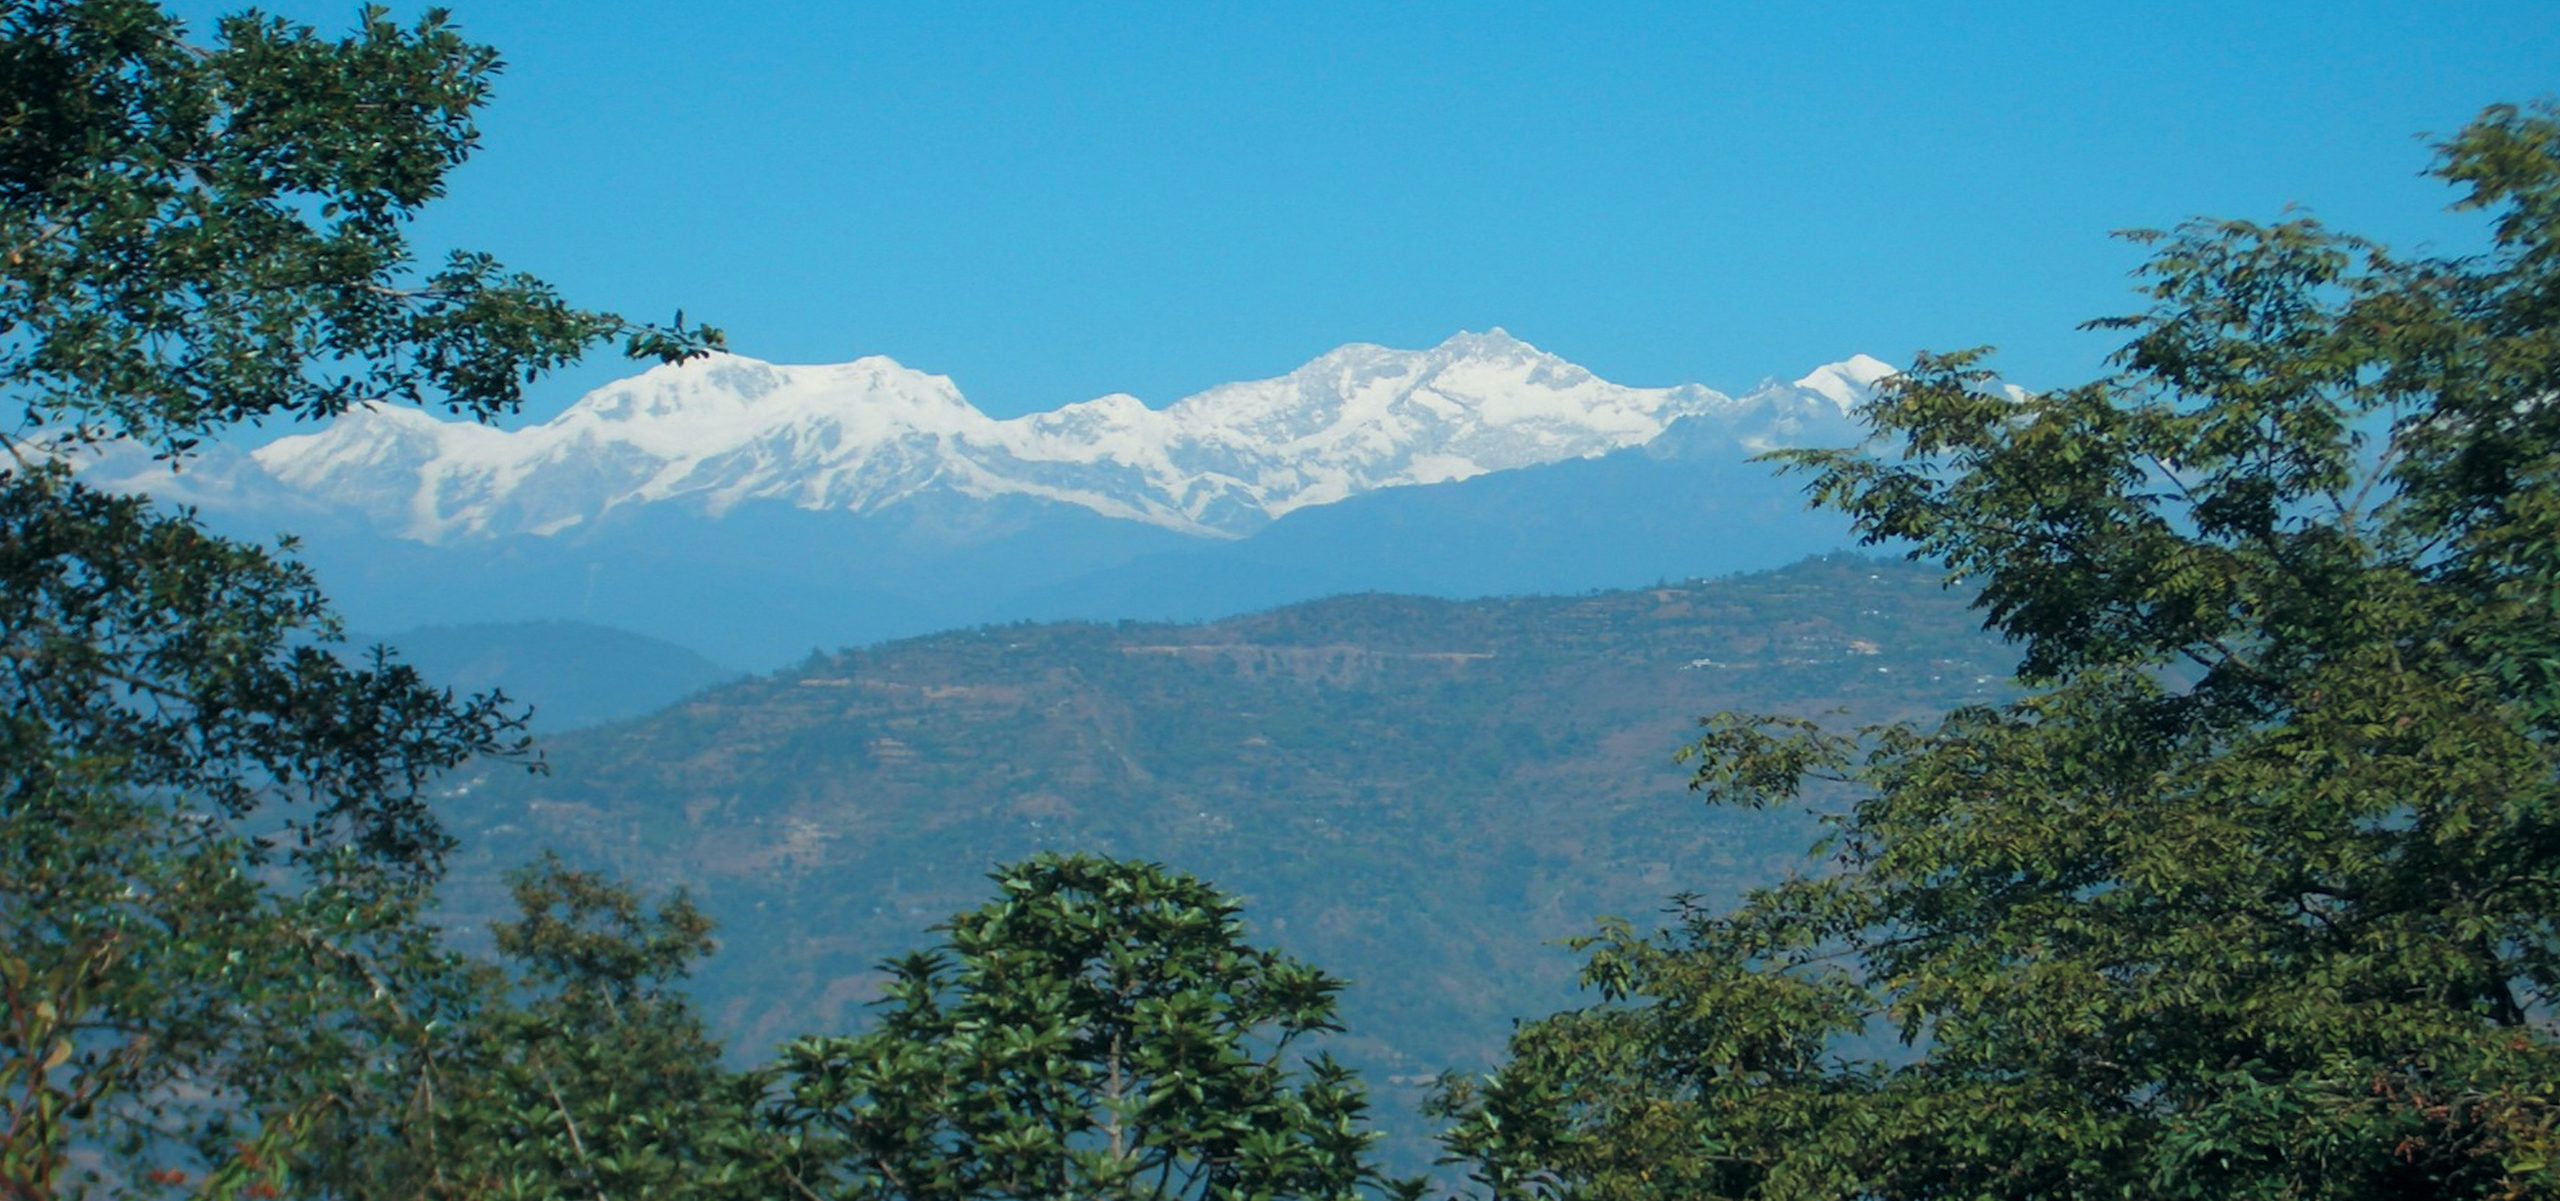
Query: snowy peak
x,y
726,399
866,435
1849,382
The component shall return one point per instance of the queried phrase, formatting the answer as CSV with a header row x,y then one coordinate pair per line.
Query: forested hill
x,y
1421,795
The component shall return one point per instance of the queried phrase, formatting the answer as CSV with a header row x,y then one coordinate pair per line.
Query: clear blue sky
x,y
1050,202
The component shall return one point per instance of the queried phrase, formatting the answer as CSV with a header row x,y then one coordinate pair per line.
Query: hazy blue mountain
x,y
766,584
761,586
1688,504
573,673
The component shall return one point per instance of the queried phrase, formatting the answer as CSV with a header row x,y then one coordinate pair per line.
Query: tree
x,y
587,1074
215,841
2252,892
1099,1030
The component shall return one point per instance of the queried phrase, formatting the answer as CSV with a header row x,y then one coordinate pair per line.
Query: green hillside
x,y
1421,795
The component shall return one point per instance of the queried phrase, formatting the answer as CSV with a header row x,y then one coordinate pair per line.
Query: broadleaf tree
x,y
578,1069
1101,1029
2251,892
215,837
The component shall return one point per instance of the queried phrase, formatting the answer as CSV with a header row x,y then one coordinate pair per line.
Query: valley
x,y
1423,795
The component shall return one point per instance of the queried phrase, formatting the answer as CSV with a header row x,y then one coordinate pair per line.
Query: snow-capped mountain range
x,y
868,435
752,511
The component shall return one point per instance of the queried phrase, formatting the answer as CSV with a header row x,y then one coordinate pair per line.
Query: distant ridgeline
x,y
1421,795
570,673
848,503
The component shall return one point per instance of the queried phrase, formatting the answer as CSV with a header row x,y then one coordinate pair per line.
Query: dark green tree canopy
x,y
1101,1029
2252,894
197,235
577,1069
216,840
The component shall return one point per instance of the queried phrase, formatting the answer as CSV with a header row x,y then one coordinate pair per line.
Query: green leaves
x,y
216,840
2251,895
1101,1030
196,237
214,834
587,1074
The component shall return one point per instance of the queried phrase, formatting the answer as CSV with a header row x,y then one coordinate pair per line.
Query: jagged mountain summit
x,y
753,511
870,435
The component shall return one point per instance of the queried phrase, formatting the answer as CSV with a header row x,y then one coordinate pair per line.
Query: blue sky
x,y
1050,202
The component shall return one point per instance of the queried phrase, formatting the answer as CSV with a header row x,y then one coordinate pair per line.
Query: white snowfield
x,y
861,436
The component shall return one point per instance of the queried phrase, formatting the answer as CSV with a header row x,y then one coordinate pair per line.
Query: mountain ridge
x,y
1420,794
872,434
571,674
568,528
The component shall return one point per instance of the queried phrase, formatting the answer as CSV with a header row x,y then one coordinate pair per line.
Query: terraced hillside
x,y
1422,795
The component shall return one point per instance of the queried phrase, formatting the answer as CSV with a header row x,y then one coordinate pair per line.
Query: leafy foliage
x,y
216,851
195,237
2251,895
584,1072
214,840
215,847
1100,1030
